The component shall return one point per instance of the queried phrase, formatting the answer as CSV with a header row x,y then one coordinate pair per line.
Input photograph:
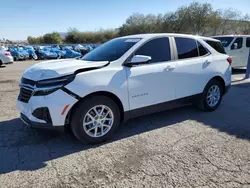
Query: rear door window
x,y
186,48
217,46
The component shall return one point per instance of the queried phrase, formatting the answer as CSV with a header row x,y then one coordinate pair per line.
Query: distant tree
x,y
214,25
199,17
244,24
178,21
52,38
30,40
227,16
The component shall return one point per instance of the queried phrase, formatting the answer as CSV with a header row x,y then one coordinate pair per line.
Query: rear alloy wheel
x,y
212,96
95,119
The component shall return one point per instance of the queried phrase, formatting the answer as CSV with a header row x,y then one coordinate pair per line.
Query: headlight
x,y
45,87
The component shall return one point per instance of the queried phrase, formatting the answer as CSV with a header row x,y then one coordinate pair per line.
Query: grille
x,y
28,82
25,95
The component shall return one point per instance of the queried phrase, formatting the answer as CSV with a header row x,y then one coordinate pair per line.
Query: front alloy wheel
x,y
98,121
95,119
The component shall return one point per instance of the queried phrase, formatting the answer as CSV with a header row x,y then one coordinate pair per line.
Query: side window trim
x,y
134,52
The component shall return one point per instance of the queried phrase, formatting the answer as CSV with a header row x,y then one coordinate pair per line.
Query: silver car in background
x,y
5,57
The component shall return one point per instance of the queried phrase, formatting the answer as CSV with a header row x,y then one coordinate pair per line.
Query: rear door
x,y
191,67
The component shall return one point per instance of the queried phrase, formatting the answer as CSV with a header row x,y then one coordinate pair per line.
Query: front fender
x,y
112,81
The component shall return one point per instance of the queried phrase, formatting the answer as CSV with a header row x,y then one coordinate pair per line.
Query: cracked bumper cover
x,y
38,125
54,102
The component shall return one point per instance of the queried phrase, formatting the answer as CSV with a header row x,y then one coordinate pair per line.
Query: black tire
x,y
81,110
203,103
1,63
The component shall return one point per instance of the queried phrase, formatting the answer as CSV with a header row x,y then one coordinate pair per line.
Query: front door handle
x,y
169,68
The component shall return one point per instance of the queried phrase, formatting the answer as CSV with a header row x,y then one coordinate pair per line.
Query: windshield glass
x,y
111,50
225,41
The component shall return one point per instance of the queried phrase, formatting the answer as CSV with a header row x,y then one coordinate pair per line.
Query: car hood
x,y
57,68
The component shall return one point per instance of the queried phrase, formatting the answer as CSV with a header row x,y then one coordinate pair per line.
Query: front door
x,y
152,83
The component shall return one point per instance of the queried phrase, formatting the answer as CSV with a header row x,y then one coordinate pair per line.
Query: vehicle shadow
x,y
22,148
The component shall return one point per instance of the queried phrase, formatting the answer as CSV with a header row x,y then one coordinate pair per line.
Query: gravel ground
x,y
177,148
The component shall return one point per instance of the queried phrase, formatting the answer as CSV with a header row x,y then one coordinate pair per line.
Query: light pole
x,y
248,67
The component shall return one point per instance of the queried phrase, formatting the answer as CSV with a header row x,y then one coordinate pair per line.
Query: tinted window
x,y
217,46
248,43
186,48
225,41
111,50
202,50
158,49
239,42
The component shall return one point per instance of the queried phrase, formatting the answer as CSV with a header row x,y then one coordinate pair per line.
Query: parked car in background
x,y
79,48
237,46
31,51
3,48
122,79
71,53
19,53
5,57
46,53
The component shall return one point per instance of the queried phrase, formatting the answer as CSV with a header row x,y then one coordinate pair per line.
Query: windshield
x,y
225,41
111,50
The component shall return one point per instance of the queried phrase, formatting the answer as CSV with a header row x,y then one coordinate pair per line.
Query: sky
x,y
22,18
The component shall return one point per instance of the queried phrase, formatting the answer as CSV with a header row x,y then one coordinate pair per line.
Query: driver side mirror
x,y
138,59
235,46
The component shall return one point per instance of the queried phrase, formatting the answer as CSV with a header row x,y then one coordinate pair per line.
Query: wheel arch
x,y
112,96
221,80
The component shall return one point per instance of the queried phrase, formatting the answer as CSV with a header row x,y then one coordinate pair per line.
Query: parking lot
x,y
178,148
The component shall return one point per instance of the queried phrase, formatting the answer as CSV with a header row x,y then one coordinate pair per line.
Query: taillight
x,y
230,60
7,54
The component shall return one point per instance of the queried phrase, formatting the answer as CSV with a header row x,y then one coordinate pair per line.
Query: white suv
x,y
122,79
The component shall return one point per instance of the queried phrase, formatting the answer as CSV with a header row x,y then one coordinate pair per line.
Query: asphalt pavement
x,y
183,147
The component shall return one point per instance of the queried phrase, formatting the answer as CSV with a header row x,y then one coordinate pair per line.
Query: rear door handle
x,y
169,68
207,63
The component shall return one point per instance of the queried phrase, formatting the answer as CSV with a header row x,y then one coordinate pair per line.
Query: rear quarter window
x,y
216,45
